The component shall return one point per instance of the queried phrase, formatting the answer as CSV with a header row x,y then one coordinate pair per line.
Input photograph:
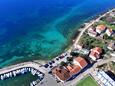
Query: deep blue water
x,y
41,29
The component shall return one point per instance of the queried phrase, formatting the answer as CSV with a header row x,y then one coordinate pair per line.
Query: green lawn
x,y
88,81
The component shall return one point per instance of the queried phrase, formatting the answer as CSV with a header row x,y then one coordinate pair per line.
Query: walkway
x,y
22,65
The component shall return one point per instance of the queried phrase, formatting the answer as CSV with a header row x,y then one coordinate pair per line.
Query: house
x,y
78,64
66,72
112,14
95,53
91,32
61,73
80,61
111,46
73,69
79,46
100,29
109,32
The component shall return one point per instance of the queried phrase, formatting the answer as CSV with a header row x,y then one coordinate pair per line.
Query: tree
x,y
74,53
105,36
69,59
63,63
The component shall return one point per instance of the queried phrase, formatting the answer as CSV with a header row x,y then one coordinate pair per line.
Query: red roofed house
x,y
78,64
80,61
95,53
61,73
74,69
100,28
109,32
67,72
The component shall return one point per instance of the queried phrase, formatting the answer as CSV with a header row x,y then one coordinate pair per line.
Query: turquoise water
x,y
41,29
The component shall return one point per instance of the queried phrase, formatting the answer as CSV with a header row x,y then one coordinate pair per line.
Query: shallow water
x,y
41,29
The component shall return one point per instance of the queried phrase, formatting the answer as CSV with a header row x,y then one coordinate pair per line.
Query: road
x,y
89,25
88,71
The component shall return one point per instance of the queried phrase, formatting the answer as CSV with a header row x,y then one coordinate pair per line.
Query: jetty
x,y
23,68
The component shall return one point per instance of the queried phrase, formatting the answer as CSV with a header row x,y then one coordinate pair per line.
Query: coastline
x,y
73,40
71,43
76,38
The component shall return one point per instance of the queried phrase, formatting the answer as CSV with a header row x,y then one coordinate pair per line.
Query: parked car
x,y
46,65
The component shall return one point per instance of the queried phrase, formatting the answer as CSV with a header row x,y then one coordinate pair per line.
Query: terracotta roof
x,y
101,27
97,49
61,73
74,69
70,67
81,61
94,54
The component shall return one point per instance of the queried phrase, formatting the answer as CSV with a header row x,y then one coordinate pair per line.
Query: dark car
x,y
57,59
50,63
46,65
61,57
51,66
53,61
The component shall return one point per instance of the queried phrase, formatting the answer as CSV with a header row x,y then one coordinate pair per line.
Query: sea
x,y
41,29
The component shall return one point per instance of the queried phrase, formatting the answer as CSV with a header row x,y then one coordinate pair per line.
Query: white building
x,y
104,79
109,32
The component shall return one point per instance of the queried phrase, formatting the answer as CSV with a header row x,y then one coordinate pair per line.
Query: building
x,y
91,32
104,79
111,46
100,29
112,14
81,62
95,53
109,32
61,73
79,46
78,64
73,69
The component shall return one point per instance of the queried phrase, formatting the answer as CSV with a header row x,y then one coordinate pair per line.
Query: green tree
x,y
105,36
70,59
63,63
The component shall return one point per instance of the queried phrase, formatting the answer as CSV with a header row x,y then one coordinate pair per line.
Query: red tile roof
x,y
74,69
61,73
94,54
101,27
97,49
67,71
81,61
